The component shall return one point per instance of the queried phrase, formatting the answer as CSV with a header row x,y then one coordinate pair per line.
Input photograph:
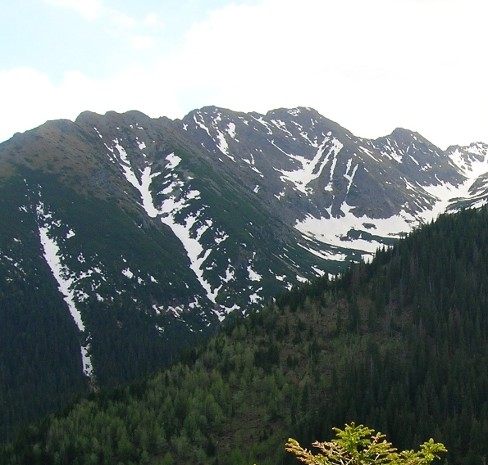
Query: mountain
x,y
126,239
400,343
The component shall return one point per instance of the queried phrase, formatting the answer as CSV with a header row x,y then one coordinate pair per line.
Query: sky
x,y
369,65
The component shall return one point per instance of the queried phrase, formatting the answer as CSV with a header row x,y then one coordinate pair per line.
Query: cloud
x,y
370,66
152,19
88,9
34,98
115,20
140,42
121,21
26,100
137,33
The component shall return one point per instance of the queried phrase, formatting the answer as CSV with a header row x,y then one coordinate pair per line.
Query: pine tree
x,y
360,445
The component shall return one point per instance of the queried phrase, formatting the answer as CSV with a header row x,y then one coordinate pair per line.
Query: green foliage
x,y
360,445
40,363
401,343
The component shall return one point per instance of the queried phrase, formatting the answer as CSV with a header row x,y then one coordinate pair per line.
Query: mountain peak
x,y
402,133
408,140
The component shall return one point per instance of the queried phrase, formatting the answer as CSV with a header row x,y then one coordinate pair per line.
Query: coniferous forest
x,y
399,344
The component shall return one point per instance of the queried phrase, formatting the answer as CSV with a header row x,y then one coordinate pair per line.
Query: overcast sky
x,y
370,65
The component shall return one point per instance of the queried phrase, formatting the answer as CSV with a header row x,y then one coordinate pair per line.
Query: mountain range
x,y
126,239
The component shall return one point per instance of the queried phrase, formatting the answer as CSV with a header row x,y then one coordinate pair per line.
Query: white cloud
x,y
121,21
25,100
370,66
89,9
152,19
140,42
34,98
115,20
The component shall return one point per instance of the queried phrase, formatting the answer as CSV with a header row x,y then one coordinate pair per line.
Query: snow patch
x,y
173,161
255,298
264,123
350,176
312,169
53,257
471,160
282,126
229,274
318,271
189,238
325,254
201,125
253,276
231,130
220,236
334,231
127,273
86,361
252,163
144,185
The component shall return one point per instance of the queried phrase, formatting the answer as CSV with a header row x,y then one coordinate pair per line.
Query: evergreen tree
x,y
359,445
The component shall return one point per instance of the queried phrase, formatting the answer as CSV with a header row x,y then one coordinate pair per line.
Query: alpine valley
x,y
126,239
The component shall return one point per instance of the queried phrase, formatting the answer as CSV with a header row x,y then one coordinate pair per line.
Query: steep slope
x,y
400,343
141,235
472,162
145,244
345,195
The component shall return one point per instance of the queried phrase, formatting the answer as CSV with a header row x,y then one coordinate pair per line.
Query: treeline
x,y
400,344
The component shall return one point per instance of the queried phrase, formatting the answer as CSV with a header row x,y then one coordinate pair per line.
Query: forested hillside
x,y
400,344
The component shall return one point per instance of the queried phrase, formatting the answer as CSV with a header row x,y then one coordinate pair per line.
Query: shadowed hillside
x,y
399,344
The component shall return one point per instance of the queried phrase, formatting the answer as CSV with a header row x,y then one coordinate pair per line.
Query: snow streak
x,y
312,169
146,177
190,230
53,257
